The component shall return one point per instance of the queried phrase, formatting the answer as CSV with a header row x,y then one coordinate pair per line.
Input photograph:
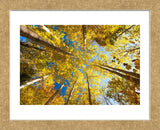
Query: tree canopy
x,y
80,65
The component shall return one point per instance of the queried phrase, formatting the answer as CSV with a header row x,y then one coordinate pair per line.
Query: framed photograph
x,y
77,68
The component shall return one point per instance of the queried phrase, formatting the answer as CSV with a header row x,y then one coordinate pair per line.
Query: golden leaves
x,y
137,63
128,67
134,70
104,45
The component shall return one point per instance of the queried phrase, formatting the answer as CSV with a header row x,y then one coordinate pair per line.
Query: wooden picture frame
x,y
152,6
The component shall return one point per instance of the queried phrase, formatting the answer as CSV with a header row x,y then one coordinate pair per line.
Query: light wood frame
x,y
151,5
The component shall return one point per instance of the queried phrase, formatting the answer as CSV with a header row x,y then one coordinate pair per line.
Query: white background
x,y
78,112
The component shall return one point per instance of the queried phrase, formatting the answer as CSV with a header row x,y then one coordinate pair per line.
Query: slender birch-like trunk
x,y
84,36
89,91
35,37
124,71
33,81
134,79
53,96
70,94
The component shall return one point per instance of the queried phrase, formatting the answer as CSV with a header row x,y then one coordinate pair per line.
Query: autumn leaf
x,y
134,70
128,67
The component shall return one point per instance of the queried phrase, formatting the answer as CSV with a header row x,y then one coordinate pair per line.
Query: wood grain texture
x,y
80,125
4,65
79,4
152,5
155,63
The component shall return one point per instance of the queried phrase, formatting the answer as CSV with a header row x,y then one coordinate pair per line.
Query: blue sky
x,y
23,39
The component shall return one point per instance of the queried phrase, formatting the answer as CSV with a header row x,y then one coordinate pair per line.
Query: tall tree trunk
x,y
84,36
136,80
29,46
124,71
70,93
132,49
107,101
53,96
35,37
125,31
31,82
89,92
